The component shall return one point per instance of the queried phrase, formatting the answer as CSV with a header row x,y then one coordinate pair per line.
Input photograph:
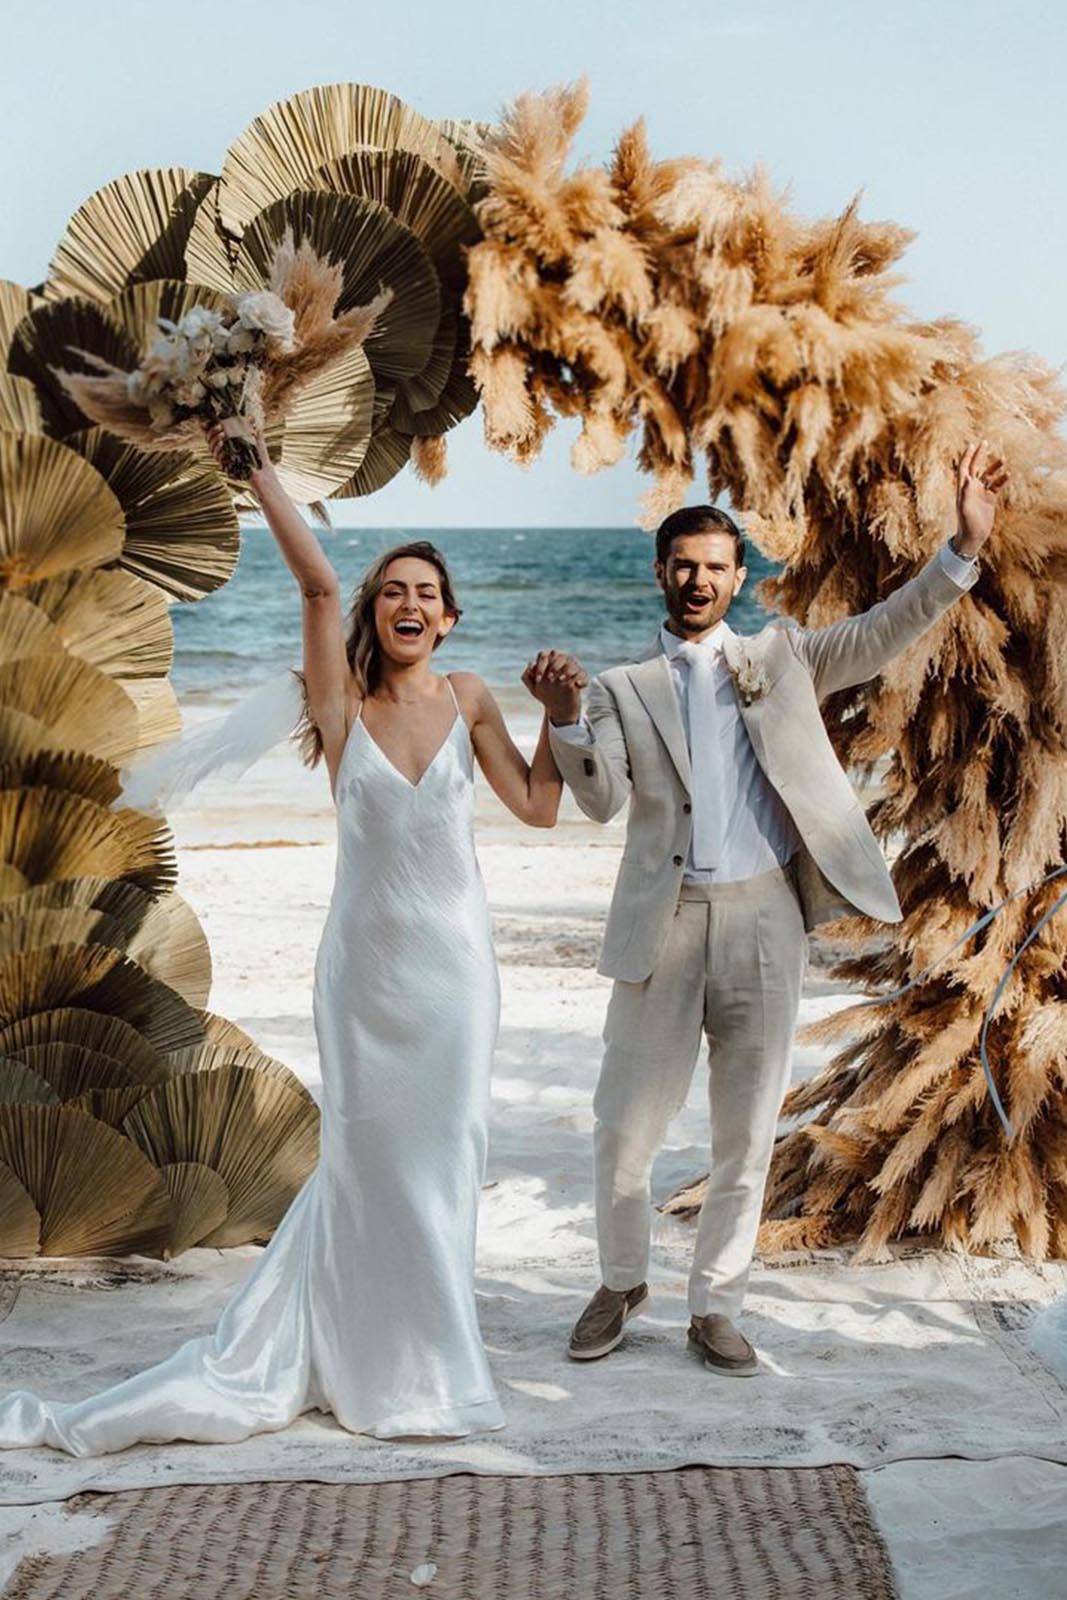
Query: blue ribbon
x,y
983,920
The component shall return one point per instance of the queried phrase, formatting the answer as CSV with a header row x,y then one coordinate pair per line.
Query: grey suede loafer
x,y
600,1326
723,1347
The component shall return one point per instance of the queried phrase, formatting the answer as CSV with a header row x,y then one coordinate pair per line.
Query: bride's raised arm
x,y
324,660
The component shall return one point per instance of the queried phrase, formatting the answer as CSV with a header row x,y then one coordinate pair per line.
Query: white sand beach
x,y
915,1372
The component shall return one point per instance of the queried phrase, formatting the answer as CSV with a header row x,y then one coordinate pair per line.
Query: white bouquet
x,y
208,366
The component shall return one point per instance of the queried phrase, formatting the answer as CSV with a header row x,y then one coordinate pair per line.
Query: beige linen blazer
x,y
639,753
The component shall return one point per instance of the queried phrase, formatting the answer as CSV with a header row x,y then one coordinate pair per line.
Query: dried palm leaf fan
x,y
161,935
85,708
56,512
209,1057
15,303
36,767
24,630
45,340
288,143
248,1126
20,408
71,1069
181,533
444,225
95,1192
20,1085
108,1105
23,737
199,1202
115,621
131,231
50,834
664,297
110,1036
95,978
20,1222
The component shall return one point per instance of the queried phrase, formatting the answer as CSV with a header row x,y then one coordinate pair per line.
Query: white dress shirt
x,y
759,833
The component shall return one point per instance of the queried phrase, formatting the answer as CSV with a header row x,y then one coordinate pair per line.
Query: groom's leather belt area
x,y
742,888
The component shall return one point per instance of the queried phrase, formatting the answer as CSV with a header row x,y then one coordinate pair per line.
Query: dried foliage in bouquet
x,y
667,300
243,366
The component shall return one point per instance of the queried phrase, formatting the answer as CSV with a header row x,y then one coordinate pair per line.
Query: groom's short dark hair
x,y
697,519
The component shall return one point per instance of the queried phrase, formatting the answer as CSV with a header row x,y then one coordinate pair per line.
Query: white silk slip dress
x,y
362,1304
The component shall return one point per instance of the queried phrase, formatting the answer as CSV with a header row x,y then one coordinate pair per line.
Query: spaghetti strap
x,y
452,692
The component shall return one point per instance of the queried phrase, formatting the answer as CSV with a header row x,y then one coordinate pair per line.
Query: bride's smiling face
x,y
409,610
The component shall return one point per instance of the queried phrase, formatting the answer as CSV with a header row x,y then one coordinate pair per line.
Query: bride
x,y
363,1302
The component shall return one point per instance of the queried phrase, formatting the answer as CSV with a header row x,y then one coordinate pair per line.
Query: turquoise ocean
x,y
587,590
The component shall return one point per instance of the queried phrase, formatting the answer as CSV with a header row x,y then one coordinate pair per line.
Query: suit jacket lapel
x,y
651,677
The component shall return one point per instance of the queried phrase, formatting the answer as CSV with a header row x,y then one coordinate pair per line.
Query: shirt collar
x,y
713,642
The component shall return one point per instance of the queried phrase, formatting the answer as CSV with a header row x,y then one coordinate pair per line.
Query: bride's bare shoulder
x,y
472,693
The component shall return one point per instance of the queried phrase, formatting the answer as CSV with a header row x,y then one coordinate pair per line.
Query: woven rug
x,y
751,1533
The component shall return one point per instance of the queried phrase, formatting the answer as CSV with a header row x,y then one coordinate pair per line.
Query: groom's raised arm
x,y
858,648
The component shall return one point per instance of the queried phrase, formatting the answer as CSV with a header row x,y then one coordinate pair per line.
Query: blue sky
x,y
951,117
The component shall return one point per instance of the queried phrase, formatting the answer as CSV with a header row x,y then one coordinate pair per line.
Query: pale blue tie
x,y
705,754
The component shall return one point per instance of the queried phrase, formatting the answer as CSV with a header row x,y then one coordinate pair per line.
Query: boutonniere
x,y
750,676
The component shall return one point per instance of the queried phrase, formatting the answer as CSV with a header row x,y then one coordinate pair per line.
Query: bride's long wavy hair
x,y
362,647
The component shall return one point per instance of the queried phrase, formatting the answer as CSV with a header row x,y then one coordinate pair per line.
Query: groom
x,y
743,834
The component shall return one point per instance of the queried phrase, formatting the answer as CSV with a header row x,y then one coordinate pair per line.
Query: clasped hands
x,y
557,681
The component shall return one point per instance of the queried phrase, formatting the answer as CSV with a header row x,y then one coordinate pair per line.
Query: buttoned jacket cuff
x,y
573,732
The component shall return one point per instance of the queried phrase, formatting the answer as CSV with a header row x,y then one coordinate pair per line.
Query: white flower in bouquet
x,y
201,322
263,311
240,341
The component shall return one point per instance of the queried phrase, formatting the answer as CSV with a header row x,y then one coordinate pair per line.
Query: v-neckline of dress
x,y
391,764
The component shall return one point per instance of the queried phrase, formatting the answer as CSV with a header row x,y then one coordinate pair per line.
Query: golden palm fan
x,y
107,1035
220,1030
249,1127
387,454
12,881
70,1069
288,143
48,340
111,619
85,708
20,1222
108,1105
458,397
374,251
95,1191
445,226
73,771
96,978
162,934
133,229
20,408
15,303
23,737
466,137
22,1085
210,1057
181,533
324,438
199,1201
52,833
159,715
24,630
56,511
417,195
